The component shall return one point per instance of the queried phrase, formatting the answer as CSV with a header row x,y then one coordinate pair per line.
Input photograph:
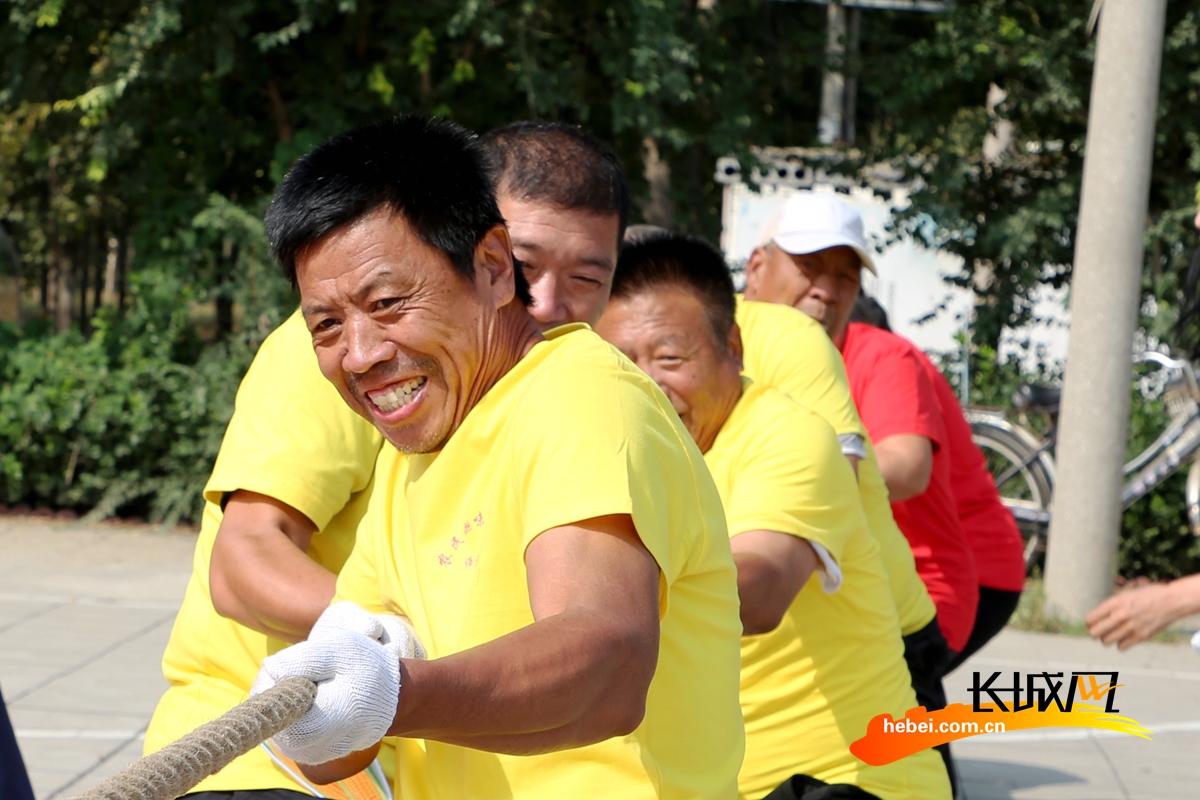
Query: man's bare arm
x,y
260,574
340,768
1136,614
906,461
853,463
772,569
578,675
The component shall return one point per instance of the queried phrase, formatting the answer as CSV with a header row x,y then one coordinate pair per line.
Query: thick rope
x,y
181,765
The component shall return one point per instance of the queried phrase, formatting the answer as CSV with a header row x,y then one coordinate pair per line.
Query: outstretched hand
x,y
1135,615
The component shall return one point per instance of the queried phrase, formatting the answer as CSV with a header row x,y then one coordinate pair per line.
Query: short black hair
x,y
560,165
636,234
868,311
662,258
429,170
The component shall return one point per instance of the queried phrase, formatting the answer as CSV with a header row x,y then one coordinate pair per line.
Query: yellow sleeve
x,y
292,437
789,476
601,442
358,580
788,351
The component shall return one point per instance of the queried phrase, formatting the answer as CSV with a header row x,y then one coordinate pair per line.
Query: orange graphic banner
x,y
889,739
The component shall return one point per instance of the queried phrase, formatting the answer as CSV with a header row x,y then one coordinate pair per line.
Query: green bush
x,y
129,420
1156,539
126,422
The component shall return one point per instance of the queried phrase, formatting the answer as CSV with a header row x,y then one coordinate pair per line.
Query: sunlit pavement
x,y
85,613
1160,689
84,616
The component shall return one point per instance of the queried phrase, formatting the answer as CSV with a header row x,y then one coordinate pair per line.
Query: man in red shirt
x,y
989,527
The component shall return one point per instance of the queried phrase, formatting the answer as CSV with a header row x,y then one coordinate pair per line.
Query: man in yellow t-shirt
x,y
552,531
787,350
289,487
822,653
566,203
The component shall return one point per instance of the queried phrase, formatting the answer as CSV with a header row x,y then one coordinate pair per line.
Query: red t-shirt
x,y
894,395
989,527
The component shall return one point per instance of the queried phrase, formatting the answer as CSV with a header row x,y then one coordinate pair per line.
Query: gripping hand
x,y
389,630
358,687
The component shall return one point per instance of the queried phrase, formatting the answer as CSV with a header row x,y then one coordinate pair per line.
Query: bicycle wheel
x,y
1024,477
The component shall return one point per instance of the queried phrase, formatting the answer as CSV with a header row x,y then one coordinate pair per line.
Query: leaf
x,y
96,170
463,71
49,13
423,48
378,83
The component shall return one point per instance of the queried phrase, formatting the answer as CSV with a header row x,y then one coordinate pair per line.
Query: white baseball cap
x,y
811,221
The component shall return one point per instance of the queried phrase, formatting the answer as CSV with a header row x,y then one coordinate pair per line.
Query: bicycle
x,y
1022,464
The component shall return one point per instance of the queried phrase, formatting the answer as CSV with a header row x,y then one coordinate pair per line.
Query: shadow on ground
x,y
997,780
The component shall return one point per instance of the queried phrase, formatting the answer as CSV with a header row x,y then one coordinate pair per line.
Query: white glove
x,y
358,686
393,632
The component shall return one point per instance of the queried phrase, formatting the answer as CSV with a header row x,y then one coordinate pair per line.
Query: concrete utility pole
x,y
1105,293
833,83
839,85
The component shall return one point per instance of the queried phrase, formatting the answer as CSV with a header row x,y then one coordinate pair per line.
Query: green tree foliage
x,y
1012,217
139,142
130,418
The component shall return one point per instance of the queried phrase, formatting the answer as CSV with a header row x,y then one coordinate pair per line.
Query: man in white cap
x,y
811,258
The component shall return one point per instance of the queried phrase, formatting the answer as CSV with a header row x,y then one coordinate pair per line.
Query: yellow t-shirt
x,y
789,351
573,431
810,686
293,438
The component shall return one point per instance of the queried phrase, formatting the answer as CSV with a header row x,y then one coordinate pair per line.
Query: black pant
x,y
14,780
803,787
995,608
250,794
928,657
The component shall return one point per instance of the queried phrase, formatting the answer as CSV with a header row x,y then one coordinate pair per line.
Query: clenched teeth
x,y
397,396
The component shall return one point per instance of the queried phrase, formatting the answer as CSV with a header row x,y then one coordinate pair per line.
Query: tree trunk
x,y
124,256
64,294
658,208
224,302
109,294
279,112
84,268
44,289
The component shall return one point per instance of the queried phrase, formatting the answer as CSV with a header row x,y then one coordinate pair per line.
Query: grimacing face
x,y
665,332
568,256
400,333
824,284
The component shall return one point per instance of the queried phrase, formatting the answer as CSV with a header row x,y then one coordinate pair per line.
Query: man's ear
x,y
754,270
734,343
494,262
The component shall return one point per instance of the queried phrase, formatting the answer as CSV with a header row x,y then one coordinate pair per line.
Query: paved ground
x,y
1160,689
85,614
84,617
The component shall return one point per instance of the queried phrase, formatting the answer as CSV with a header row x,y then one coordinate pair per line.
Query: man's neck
x,y
708,437
514,336
839,339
